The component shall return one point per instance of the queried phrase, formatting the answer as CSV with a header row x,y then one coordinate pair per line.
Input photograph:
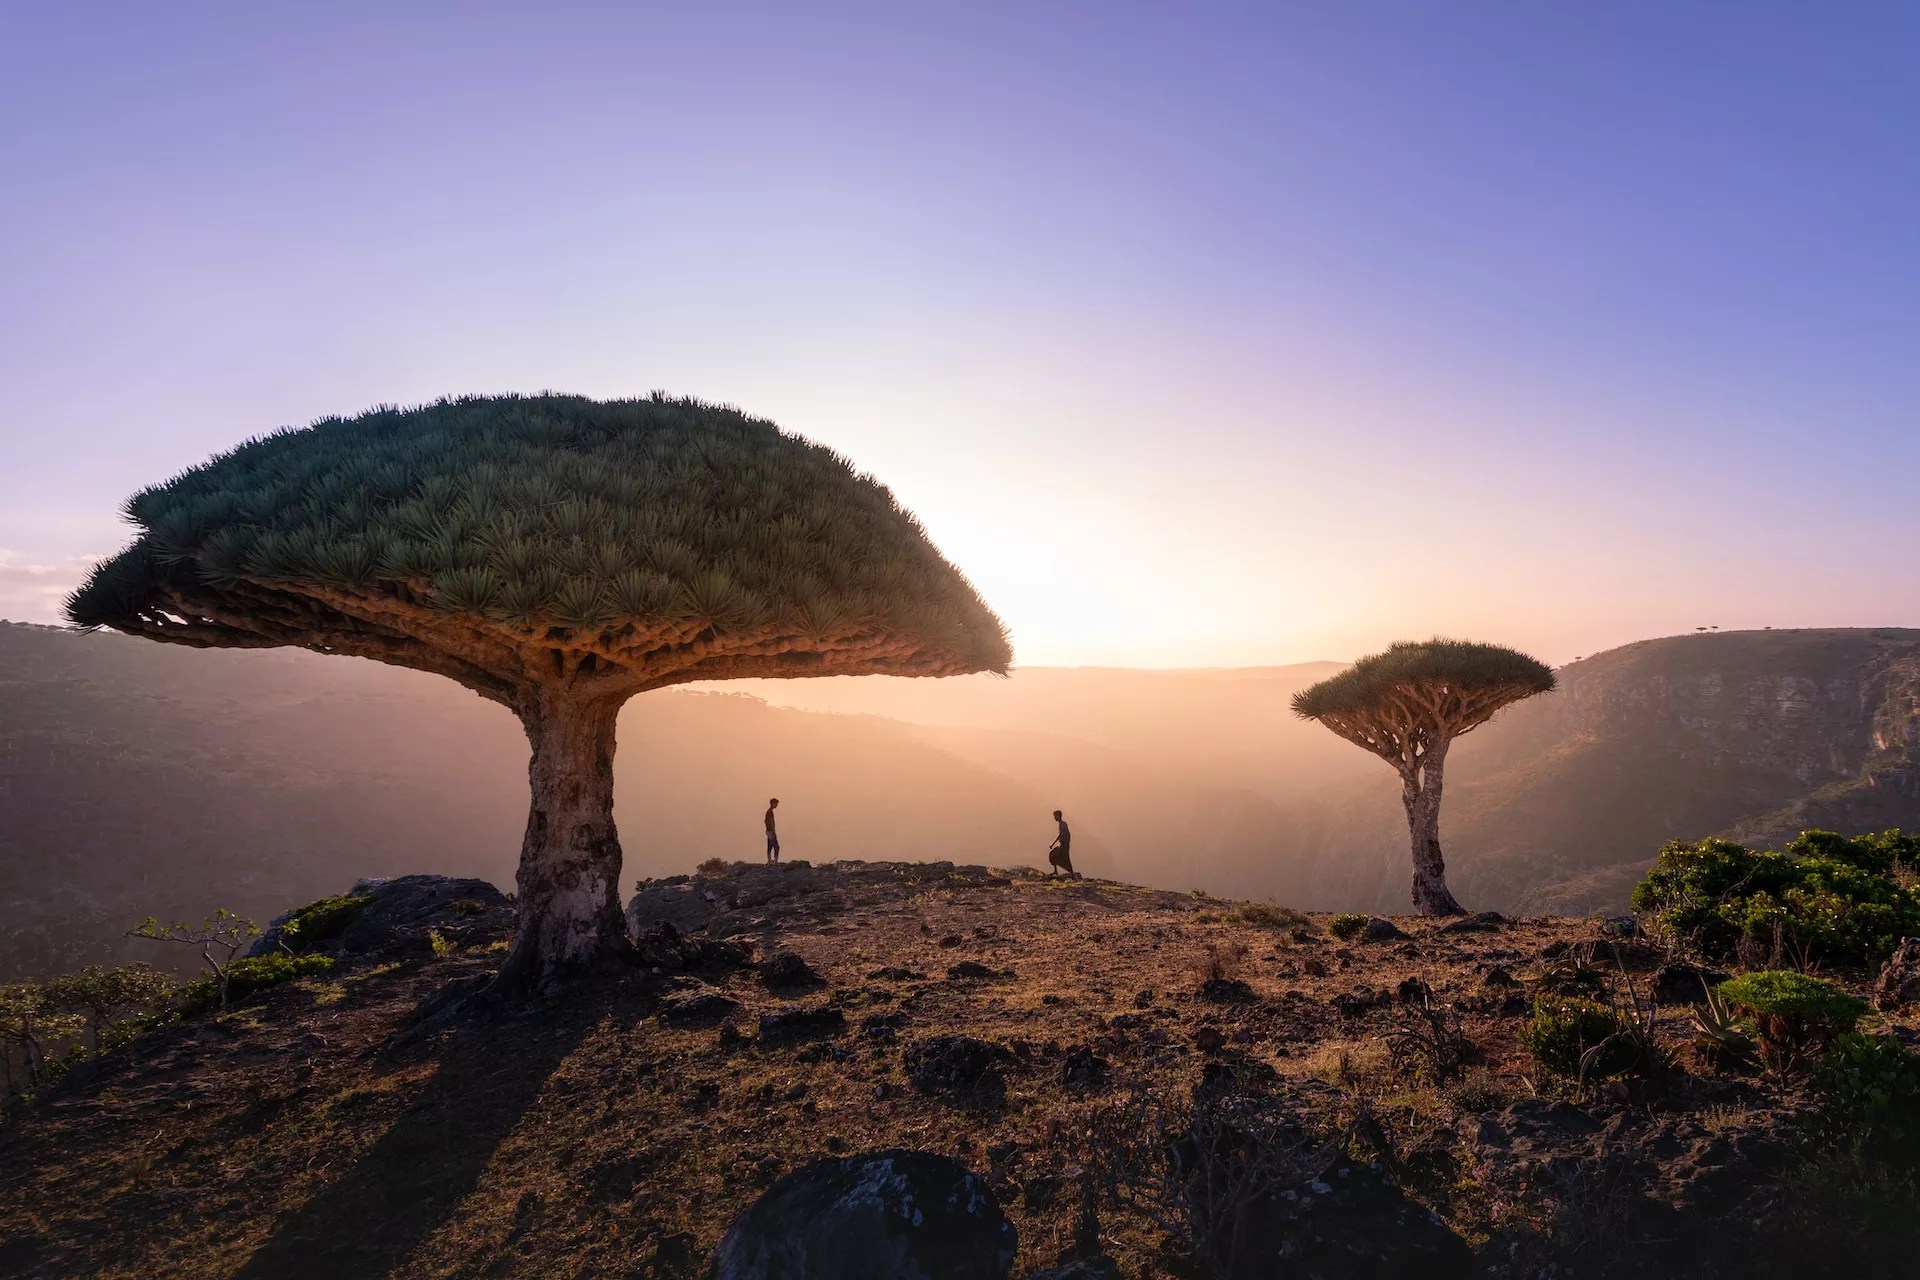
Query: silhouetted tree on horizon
x,y
556,555
1407,705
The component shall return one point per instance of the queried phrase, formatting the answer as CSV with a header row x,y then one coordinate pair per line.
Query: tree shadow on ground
x,y
413,1178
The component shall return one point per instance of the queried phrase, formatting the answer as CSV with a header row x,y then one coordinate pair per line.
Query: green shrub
x,y
713,867
1346,927
318,921
1829,898
1867,1099
467,907
1798,997
247,975
1581,1039
1262,915
1791,1011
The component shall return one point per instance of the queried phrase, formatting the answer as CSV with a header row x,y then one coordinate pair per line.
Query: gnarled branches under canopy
x,y
557,555
1406,705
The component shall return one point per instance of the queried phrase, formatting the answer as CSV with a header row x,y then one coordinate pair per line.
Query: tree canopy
x,y
507,541
1392,701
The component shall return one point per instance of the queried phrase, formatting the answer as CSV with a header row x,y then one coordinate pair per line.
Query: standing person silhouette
x,y
773,837
1058,853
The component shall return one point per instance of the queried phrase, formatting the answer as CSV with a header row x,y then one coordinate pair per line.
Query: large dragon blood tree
x,y
1407,705
556,555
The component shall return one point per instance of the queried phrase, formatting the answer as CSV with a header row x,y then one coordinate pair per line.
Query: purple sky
x,y
1197,334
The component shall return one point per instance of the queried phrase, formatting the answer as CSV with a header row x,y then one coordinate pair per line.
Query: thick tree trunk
x,y
1420,792
570,922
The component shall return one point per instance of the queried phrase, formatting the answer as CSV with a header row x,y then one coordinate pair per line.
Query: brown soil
x,y
618,1132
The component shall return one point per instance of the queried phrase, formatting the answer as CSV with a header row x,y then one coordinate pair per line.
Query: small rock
x,y
1225,990
1479,922
1681,983
798,1023
1609,953
1083,1069
1499,979
1351,1004
1209,1040
948,1064
1379,930
969,969
786,969
703,1008
1314,967
882,1028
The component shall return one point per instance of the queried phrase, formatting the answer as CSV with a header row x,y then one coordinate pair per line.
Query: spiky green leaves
x,y
1426,665
559,519
1406,703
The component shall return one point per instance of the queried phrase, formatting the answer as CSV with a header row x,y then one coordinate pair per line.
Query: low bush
x,y
1791,1012
713,867
248,975
1823,899
1581,1039
1347,926
1262,915
318,921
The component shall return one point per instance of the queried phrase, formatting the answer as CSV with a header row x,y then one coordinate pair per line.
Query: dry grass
x,y
284,1139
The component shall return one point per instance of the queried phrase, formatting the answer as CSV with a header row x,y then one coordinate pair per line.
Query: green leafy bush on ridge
x,y
1791,1011
248,975
1566,1029
1346,927
1832,899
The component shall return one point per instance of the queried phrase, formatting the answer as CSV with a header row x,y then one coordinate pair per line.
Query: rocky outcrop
x,y
907,1215
400,916
1899,982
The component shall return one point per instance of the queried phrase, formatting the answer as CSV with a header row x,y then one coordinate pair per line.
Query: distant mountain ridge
x,y
1757,735
136,778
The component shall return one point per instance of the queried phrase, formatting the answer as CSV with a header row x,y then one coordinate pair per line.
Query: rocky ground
x,y
1035,1031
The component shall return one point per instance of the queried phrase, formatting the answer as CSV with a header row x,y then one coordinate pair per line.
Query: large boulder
x,y
904,1215
395,916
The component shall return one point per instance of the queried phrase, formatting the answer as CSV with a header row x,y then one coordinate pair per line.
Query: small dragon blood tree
x,y
556,555
1407,705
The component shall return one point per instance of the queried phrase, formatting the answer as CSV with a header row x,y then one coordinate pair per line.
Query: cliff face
x,y
1755,735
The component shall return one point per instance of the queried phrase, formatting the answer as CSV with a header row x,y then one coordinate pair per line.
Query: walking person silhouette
x,y
773,836
1059,852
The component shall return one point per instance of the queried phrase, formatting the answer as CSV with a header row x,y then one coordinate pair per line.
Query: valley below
x,y
141,780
